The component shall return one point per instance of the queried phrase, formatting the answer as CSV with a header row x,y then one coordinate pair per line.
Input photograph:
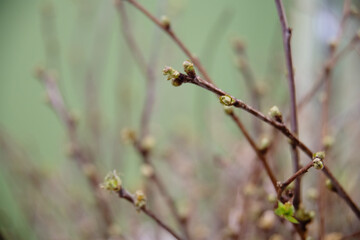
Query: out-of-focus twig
x,y
85,163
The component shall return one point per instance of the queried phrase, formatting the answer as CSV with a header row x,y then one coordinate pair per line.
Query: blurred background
x,y
198,152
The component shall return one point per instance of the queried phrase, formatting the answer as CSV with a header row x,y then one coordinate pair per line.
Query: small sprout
x,y
264,144
227,100
320,155
189,69
165,22
128,135
318,164
228,110
330,185
171,73
140,200
286,211
328,141
112,182
275,113
148,143
267,220
147,170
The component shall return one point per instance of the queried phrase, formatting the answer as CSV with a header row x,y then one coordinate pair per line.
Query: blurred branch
x,y
85,163
248,75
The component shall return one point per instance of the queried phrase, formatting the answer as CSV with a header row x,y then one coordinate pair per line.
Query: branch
x,y
286,35
182,78
85,163
123,193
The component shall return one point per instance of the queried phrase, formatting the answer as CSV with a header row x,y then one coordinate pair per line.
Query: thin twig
x,y
296,175
122,193
286,35
175,38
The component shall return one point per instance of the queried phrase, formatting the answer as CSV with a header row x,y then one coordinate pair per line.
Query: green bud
x,y
170,73
227,100
264,144
148,143
140,200
189,69
318,164
112,182
165,22
320,155
275,113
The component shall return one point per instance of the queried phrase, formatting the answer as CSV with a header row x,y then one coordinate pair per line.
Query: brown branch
x,y
279,126
122,193
171,33
295,176
286,35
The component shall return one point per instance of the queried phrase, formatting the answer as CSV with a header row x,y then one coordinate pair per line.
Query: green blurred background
x,y
81,40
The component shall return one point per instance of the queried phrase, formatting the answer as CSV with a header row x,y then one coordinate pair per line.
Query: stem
x,y
123,193
286,35
295,176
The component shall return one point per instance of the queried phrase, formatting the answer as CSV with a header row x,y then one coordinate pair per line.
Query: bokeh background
x,y
45,196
